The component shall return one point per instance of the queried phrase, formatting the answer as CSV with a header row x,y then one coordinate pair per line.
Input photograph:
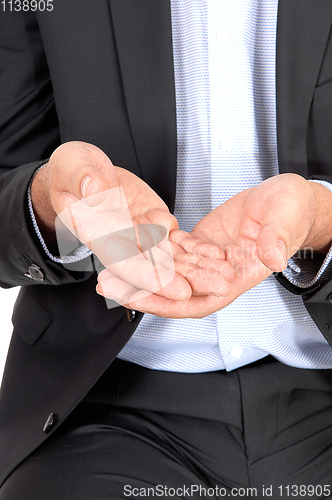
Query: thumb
x,y
81,171
271,246
94,187
97,176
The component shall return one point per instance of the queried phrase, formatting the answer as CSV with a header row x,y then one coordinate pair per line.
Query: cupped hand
x,y
259,229
118,216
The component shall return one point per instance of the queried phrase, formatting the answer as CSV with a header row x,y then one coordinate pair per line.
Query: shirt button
x,y
236,352
226,143
223,35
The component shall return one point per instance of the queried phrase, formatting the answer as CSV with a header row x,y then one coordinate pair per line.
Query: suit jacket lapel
x,y
144,43
303,30
143,38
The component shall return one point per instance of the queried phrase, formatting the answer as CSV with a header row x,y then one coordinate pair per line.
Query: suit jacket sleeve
x,y
29,132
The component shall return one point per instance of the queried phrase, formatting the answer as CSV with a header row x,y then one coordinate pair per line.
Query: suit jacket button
x,y
131,315
35,273
51,419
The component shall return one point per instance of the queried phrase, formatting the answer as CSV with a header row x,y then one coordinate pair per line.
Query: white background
x,y
7,299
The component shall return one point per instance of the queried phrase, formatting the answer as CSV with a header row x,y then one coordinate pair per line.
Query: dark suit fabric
x,y
253,431
104,74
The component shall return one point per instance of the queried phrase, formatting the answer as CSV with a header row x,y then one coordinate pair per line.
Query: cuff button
x,y
35,273
131,315
51,419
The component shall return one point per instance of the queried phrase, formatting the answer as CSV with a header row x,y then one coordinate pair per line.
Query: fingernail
x,y
85,185
282,247
107,296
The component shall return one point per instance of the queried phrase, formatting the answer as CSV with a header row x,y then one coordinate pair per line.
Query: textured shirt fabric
x,y
224,59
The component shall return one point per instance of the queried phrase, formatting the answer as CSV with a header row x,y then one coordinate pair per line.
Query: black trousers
x,y
263,431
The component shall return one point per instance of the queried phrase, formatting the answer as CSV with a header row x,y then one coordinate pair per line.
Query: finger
x,y
188,244
213,266
203,281
209,251
178,236
205,276
158,216
159,256
181,262
145,274
202,249
218,266
114,288
208,282
195,307
170,248
149,235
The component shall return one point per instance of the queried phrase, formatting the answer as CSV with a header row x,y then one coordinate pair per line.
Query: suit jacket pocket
x,y
30,319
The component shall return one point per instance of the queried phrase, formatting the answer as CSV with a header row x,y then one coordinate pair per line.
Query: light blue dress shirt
x,y
224,59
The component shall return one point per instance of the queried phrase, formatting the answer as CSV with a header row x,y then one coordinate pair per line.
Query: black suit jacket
x,y
103,73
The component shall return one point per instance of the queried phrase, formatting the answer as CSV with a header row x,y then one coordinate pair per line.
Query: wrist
x,y
42,207
319,237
